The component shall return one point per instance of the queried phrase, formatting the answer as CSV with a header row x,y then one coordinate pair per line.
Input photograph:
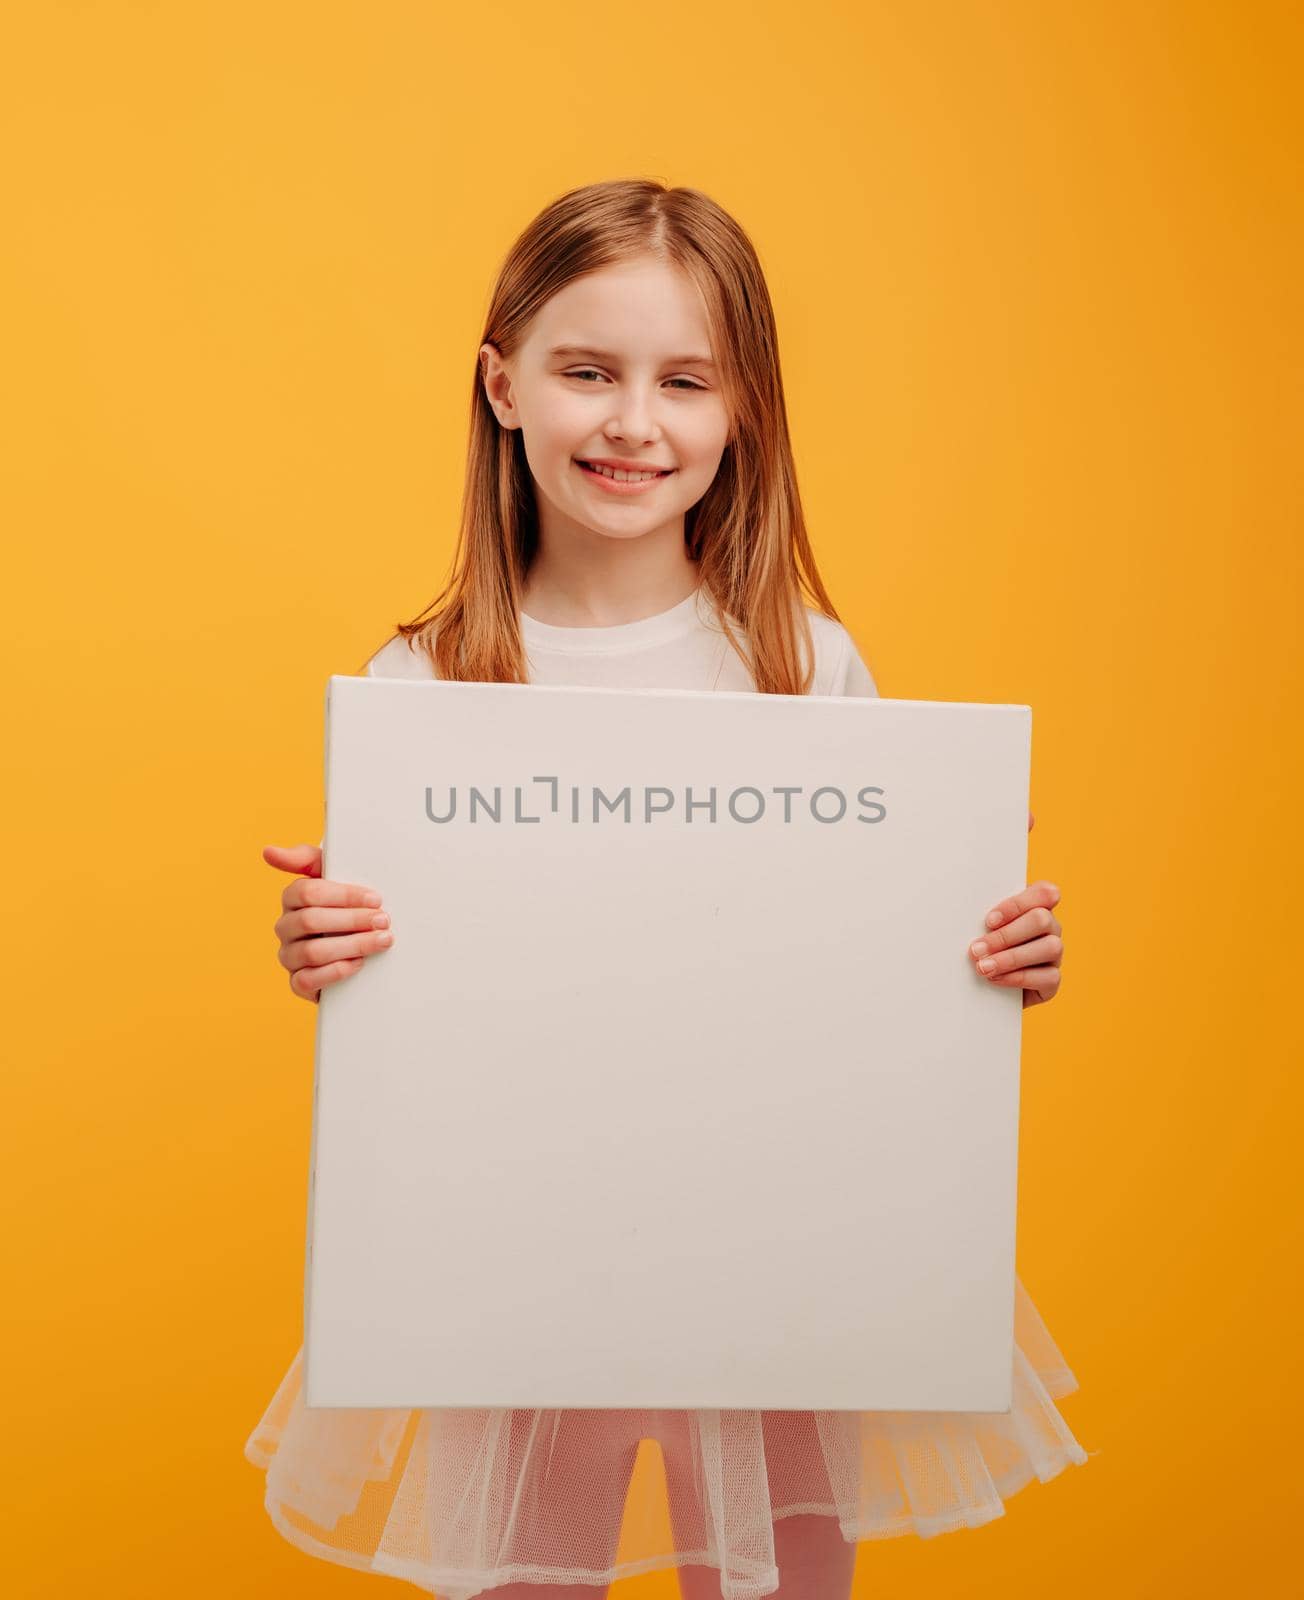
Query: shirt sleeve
x,y
397,659
856,678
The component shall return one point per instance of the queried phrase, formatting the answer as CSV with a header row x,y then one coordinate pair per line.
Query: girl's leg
x,y
815,1563
814,1559
580,1474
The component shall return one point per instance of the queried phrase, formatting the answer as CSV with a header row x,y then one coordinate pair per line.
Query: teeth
x,y
622,476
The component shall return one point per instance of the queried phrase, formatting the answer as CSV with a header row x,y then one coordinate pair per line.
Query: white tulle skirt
x,y
463,1500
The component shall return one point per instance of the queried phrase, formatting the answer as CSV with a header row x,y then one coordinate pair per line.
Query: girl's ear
x,y
497,384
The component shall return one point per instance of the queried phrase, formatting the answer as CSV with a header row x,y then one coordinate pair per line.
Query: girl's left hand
x,y
1022,947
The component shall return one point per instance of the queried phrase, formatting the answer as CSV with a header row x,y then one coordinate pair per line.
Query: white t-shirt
x,y
683,648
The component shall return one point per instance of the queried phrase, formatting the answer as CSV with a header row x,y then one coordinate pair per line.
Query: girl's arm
x,y
1022,945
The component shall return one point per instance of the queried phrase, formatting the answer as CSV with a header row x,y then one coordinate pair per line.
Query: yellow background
x,y
1037,271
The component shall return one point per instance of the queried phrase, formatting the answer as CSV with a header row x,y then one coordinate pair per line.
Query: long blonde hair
x,y
747,533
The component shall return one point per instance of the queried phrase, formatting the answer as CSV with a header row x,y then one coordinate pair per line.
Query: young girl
x,y
631,519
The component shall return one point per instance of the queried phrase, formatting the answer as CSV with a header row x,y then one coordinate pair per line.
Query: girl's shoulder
x,y
399,658
839,668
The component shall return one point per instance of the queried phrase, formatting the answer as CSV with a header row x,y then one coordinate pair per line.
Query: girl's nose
x,y
633,419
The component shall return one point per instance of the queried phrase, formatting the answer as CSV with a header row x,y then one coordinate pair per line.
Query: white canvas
x,y
666,1112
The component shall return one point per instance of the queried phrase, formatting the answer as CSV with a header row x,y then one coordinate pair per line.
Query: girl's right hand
x,y
326,929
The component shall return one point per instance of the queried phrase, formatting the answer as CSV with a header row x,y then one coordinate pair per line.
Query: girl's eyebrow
x,y
606,355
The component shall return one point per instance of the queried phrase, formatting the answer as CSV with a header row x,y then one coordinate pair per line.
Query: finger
x,y
304,858
1040,893
1050,949
327,892
1032,924
310,920
1044,982
308,982
322,949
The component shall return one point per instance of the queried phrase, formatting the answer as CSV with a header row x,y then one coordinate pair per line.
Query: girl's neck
x,y
569,596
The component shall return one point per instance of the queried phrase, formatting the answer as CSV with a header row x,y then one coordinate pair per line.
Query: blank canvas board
x,y
657,1105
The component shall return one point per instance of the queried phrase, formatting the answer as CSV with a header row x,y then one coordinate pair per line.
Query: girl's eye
x,y
593,372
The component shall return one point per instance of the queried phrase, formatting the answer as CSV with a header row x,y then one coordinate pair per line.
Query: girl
x,y
631,518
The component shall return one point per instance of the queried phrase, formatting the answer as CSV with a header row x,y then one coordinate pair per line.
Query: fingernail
x,y
993,918
979,947
987,966
371,899
380,920
385,938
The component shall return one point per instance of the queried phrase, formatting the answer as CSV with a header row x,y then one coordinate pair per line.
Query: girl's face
x,y
616,368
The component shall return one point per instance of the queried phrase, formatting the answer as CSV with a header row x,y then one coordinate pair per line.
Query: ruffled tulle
x,y
462,1500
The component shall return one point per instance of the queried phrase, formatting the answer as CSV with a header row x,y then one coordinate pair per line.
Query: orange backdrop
x,y
1037,273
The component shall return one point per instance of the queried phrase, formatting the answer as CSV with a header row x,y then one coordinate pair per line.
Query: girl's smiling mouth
x,y
622,480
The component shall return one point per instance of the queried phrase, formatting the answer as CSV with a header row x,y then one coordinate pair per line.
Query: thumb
x,y
304,859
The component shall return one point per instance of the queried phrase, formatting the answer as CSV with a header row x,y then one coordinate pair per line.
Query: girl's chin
x,y
624,533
